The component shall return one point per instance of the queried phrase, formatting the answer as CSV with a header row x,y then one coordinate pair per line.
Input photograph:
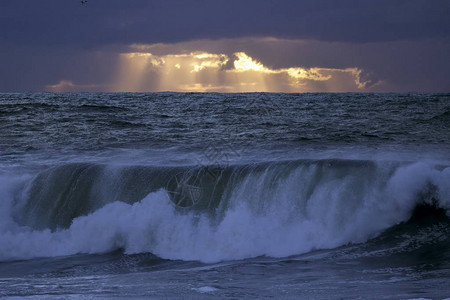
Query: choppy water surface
x,y
228,195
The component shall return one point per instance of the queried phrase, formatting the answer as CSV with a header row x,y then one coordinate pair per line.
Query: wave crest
x,y
275,209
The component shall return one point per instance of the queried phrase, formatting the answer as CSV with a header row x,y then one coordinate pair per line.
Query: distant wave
x,y
214,213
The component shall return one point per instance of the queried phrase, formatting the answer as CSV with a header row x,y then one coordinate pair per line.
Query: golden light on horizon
x,y
217,72
225,65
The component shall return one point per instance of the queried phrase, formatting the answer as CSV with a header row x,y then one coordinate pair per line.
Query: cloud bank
x,y
106,22
299,45
219,72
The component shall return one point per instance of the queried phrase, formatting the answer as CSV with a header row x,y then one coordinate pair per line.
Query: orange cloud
x,y
227,66
204,71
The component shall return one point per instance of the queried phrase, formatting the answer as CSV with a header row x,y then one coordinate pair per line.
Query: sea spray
x,y
262,211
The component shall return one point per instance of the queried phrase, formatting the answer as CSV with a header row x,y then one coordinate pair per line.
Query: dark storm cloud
x,y
102,22
66,45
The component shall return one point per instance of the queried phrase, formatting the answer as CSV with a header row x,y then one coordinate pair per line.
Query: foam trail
x,y
261,215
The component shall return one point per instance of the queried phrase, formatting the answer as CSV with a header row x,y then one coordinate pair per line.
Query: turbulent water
x,y
225,195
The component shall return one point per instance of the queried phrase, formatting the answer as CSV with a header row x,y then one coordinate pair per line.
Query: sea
x,y
223,195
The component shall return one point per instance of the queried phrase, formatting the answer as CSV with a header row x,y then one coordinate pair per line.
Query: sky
x,y
225,46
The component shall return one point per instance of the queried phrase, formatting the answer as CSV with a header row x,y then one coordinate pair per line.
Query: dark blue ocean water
x,y
173,195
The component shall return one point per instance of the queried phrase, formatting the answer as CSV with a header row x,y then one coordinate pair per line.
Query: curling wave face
x,y
212,213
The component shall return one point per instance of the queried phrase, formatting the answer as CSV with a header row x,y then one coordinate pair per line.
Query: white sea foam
x,y
259,218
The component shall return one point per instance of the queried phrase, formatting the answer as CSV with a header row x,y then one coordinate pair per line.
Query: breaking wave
x,y
214,213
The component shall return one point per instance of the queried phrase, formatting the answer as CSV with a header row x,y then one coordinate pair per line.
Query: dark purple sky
x,y
404,45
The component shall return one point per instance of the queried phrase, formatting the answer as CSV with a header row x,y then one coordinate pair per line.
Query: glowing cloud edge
x,y
248,73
